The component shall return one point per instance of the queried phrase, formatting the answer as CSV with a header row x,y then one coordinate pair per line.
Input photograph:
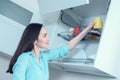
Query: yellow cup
x,y
98,23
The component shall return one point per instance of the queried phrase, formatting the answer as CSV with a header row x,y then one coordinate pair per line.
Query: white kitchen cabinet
x,y
105,53
14,17
10,33
47,6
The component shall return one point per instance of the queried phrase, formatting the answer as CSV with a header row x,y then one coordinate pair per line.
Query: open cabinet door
x,y
47,6
108,55
10,33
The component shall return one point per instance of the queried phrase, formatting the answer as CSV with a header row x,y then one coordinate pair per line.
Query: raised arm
x,y
72,43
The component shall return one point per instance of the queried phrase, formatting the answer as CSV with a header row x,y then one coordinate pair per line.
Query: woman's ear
x,y
35,42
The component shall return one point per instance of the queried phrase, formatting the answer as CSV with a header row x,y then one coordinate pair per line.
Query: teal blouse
x,y
28,68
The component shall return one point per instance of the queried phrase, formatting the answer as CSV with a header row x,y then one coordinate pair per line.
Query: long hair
x,y
26,43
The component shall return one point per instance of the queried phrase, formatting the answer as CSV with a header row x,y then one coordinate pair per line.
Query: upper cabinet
x,y
96,57
108,54
10,33
15,15
47,6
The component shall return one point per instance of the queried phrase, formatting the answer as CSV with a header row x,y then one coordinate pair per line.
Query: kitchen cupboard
x,y
14,16
10,33
103,55
56,5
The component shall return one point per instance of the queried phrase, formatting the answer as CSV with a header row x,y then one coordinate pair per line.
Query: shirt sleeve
x,y
57,52
19,68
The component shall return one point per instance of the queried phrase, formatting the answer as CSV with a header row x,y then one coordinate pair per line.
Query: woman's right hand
x,y
91,25
72,43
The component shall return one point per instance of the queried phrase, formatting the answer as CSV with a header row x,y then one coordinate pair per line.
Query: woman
x,y
29,62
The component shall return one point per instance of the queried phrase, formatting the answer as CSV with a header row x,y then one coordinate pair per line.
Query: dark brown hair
x,y
30,34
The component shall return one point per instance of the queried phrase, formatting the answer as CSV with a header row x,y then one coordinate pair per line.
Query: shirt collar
x,y
31,54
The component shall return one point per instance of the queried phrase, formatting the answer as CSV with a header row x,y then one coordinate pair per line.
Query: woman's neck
x,y
36,52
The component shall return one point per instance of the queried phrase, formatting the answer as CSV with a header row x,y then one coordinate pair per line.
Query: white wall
x,y
50,23
4,62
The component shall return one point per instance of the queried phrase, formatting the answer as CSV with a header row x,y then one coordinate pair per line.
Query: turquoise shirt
x,y
28,68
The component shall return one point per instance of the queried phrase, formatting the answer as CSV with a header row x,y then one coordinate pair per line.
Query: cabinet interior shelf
x,y
92,35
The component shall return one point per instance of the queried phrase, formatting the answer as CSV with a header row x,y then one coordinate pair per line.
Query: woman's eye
x,y
45,35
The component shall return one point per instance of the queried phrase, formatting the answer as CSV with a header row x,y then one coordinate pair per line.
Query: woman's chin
x,y
46,47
